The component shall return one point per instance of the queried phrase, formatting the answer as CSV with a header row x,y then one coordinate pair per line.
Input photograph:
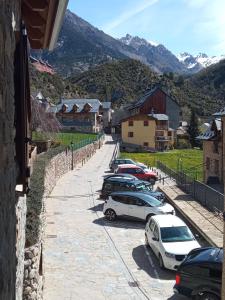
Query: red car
x,y
142,174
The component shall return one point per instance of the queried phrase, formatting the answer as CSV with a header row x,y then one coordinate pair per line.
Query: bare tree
x,y
43,121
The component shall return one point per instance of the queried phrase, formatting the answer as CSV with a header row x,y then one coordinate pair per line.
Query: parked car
x,y
170,239
200,274
134,204
118,184
124,161
142,174
127,176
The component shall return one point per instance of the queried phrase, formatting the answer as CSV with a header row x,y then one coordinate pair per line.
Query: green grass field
x,y
66,138
188,160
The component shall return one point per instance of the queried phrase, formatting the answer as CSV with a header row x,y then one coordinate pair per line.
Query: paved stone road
x,y
85,256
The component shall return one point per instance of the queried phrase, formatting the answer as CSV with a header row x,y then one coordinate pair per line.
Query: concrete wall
x,y
54,169
142,133
12,207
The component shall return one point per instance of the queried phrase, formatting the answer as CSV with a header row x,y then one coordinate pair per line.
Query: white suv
x,y
170,239
134,204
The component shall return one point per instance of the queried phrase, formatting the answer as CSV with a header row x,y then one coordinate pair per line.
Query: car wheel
x,y
206,296
110,215
161,263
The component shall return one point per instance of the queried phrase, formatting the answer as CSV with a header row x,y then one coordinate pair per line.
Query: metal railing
x,y
202,193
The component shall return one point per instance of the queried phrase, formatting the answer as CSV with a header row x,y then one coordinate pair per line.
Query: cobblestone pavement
x,y
86,257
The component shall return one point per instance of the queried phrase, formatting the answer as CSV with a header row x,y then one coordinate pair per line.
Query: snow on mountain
x,y
199,61
137,41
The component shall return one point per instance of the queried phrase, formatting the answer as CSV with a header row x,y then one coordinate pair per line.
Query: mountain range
x,y
82,46
198,62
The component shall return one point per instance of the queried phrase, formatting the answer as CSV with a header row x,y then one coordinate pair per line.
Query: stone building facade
x,y
15,16
11,204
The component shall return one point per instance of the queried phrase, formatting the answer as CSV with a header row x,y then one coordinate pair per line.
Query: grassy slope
x,y
191,160
65,138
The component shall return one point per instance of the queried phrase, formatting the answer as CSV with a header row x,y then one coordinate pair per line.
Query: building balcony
x,y
163,138
162,127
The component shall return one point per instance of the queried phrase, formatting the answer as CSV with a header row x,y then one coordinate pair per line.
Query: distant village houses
x,y
84,115
42,66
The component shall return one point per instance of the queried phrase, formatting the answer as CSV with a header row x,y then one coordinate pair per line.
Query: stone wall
x,y
9,20
54,168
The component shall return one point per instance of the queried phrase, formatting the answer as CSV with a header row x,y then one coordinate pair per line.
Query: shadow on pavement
x,y
98,207
177,297
120,223
151,267
110,142
108,172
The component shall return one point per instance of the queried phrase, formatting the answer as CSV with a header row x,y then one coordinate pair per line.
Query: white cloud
x,y
128,14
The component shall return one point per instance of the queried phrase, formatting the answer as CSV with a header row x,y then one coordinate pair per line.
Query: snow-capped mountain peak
x,y
136,41
198,61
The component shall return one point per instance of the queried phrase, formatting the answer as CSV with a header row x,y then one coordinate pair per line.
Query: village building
x,y
157,101
150,132
106,112
212,140
42,66
150,122
82,115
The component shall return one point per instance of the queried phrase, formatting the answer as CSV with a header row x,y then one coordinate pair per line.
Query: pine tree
x,y
193,129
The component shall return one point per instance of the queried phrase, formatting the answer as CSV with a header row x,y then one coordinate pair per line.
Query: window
x,y
139,171
130,123
121,199
130,134
130,171
146,123
145,144
207,163
216,166
132,200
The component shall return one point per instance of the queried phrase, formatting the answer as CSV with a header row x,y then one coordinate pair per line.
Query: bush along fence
x,y
47,169
204,194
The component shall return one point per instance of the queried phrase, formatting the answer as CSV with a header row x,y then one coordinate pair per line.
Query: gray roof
x,y
209,133
159,117
106,105
95,103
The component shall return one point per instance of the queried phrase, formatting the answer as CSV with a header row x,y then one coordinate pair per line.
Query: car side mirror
x,y
155,239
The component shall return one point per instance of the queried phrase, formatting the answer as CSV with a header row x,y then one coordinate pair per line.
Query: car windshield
x,y
151,200
144,187
130,161
176,234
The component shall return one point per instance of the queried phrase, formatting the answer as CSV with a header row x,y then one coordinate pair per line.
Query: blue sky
x,y
181,25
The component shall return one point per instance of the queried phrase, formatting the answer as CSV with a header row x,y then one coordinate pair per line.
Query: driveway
x,y
87,257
